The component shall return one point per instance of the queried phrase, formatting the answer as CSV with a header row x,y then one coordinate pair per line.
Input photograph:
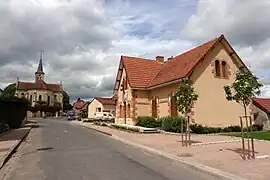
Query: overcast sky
x,y
84,39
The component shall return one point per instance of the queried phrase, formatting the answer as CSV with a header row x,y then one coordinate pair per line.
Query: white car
x,y
104,116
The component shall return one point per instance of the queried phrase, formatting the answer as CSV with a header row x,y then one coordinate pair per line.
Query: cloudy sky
x,y
84,39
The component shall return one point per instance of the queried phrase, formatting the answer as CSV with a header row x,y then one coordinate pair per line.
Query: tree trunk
x,y
182,129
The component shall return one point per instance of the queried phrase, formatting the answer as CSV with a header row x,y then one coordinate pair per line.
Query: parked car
x,y
104,116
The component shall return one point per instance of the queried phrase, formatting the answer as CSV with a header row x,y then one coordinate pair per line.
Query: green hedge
x,y
168,123
13,111
173,124
199,129
147,121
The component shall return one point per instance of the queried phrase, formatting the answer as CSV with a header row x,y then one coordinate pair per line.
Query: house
x,y
99,104
39,90
261,110
144,87
80,106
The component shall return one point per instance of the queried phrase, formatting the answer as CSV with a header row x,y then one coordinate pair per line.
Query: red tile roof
x,y
106,101
262,103
140,71
147,73
79,105
40,84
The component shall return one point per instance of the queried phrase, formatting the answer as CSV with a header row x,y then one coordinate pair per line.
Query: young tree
x,y
245,87
184,98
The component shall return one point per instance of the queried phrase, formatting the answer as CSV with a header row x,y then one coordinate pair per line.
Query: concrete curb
x,y
12,150
103,132
6,132
201,167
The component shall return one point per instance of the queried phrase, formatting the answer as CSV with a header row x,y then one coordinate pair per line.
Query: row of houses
x,y
144,87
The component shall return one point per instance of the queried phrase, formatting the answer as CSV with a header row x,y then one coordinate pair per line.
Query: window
x,y
31,97
154,107
39,97
217,68
224,68
55,97
22,94
98,109
49,100
121,111
173,107
128,111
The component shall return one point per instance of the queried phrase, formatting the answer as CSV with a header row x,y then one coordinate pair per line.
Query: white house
x,y
101,105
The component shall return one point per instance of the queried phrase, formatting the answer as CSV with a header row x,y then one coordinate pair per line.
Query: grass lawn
x,y
265,135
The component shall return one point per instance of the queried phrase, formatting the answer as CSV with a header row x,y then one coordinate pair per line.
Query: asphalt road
x,y
61,150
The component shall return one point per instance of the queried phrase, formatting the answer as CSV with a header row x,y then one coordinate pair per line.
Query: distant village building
x,y
39,90
80,106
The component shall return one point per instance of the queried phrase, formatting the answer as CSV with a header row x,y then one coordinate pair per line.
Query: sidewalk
x,y
9,141
221,152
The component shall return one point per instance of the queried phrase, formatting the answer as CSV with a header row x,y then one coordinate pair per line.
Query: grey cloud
x,y
245,23
71,33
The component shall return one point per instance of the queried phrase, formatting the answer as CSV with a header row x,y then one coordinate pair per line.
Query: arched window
x,y
224,68
39,97
128,111
217,68
154,107
31,98
121,111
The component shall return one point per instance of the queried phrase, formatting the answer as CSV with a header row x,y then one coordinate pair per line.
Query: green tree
x,y
184,98
10,90
66,105
244,88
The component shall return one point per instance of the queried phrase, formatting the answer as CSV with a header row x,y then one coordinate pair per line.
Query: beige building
x,y
101,105
149,84
40,90
261,110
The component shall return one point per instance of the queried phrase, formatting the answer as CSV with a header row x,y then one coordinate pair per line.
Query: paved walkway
x,y
222,152
9,141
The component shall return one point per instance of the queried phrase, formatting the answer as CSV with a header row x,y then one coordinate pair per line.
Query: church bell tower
x,y
39,74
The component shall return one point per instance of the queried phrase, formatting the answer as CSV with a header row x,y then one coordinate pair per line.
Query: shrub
x,y
13,111
257,127
173,124
232,129
159,123
146,121
199,129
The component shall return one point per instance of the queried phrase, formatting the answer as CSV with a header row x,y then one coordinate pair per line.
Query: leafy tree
x,y
184,98
10,90
66,105
245,87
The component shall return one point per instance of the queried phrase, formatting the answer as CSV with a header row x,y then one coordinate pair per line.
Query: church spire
x,y
40,66
40,74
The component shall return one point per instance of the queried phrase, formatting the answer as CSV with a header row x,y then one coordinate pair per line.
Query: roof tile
x,y
264,103
147,73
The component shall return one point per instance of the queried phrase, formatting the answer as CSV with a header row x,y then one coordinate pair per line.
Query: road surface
x,y
60,150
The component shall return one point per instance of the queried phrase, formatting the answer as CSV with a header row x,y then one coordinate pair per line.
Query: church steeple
x,y
39,73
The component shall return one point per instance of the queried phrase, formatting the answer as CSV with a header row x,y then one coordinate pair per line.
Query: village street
x,y
58,149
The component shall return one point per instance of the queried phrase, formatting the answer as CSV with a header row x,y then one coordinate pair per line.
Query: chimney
x,y
170,58
160,58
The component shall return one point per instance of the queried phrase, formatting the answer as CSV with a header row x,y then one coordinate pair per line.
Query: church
x,y
39,90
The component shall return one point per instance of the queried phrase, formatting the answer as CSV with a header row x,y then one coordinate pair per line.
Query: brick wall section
x,y
133,105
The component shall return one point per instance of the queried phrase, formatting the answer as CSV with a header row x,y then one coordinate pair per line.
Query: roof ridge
x,y
198,46
215,40
140,58
155,75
